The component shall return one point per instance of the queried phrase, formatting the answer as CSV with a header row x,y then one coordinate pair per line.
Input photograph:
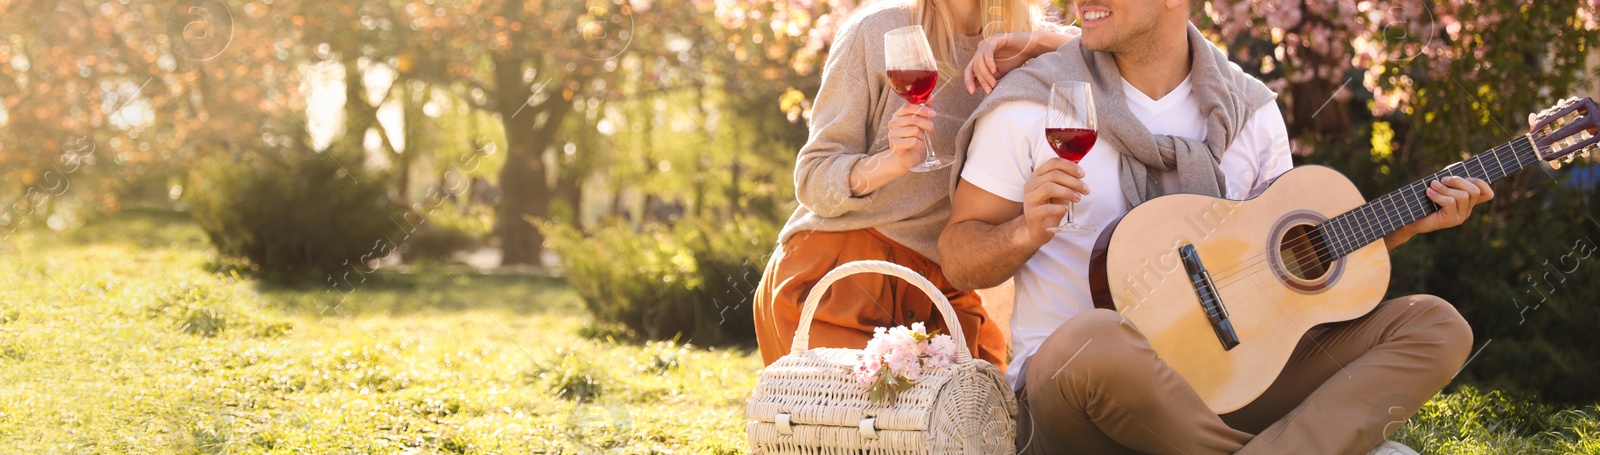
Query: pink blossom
x,y
941,352
866,371
904,363
906,353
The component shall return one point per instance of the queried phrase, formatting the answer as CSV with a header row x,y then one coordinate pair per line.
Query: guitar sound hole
x,y
1303,253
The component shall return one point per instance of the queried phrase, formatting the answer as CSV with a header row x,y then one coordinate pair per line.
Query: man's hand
x,y
1045,196
1455,196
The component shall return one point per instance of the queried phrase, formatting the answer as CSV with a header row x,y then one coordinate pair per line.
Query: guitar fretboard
x,y
1383,216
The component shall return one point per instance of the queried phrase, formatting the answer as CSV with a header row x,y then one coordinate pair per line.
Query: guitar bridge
x,y
1210,301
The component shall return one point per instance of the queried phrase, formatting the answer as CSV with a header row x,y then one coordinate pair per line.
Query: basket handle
x,y
802,336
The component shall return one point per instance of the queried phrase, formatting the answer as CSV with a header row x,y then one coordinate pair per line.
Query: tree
x,y
534,64
141,84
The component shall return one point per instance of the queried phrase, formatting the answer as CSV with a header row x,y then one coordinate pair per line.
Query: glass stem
x,y
927,142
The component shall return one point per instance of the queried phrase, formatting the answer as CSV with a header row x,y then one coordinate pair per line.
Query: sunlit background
x,y
488,226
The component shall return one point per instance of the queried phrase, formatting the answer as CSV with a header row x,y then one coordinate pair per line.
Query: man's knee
x,y
1443,326
1096,340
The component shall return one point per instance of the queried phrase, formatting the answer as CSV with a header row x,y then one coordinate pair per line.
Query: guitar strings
x,y
1321,253
1254,262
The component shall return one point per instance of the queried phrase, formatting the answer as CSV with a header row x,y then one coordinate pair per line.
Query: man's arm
x,y
990,237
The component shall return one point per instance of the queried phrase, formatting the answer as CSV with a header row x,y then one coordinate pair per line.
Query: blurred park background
x,y
491,226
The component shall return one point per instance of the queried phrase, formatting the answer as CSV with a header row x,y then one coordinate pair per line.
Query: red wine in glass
x,y
1071,130
913,73
914,85
1070,143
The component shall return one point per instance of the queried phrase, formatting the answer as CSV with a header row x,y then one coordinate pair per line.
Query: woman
x,y
859,199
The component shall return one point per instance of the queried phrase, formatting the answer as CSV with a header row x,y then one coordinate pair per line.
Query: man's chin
x,y
1095,43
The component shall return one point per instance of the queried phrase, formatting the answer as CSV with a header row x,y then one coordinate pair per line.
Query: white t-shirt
x,y
1053,286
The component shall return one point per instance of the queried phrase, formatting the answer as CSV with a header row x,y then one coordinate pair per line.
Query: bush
x,y
663,282
446,232
286,214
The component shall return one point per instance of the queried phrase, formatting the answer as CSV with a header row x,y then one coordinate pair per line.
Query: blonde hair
x,y
999,17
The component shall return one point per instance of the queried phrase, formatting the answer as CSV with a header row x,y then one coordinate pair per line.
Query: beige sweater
x,y
848,122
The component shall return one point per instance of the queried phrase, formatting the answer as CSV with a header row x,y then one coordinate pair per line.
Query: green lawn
x,y
117,339
121,338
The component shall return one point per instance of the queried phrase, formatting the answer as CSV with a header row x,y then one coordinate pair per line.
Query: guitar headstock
x,y
1567,131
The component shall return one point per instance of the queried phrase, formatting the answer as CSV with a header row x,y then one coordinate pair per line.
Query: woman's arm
x,y
834,173
825,168
999,54
907,131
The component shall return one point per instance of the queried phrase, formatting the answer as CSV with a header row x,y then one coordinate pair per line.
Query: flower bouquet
x,y
895,358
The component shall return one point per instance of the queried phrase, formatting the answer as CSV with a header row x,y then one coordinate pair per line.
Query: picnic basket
x,y
809,402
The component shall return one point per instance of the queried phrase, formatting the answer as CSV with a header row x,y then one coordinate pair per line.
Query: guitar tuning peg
x,y
1555,164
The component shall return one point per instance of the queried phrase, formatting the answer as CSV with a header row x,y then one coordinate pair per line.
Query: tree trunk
x,y
359,114
525,192
569,189
1313,109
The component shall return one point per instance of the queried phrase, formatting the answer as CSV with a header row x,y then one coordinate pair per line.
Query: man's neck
x,y
1156,69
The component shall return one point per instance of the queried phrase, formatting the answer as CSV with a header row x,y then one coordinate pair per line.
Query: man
x,y
1174,116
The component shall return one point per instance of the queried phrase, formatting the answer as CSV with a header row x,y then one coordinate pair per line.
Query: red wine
x,y
1070,143
914,85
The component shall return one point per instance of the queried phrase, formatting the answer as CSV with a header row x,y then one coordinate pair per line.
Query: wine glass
x,y
913,73
1071,129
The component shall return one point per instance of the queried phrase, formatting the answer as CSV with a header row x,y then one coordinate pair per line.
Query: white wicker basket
x,y
808,402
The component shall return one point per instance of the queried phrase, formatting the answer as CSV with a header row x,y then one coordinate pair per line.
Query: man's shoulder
x,y
1015,108
1267,120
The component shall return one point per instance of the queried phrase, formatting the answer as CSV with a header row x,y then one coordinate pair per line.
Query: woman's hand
x,y
908,134
999,54
996,56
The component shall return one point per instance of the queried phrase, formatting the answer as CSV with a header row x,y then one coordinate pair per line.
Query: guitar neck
x,y
1383,216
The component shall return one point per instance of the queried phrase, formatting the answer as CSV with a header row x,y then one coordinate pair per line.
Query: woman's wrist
x,y
872,173
1044,41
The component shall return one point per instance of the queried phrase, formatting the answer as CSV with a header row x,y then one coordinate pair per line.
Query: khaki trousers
x,y
1346,388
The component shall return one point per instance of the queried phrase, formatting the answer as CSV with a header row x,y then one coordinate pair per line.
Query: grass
x,y
120,338
123,337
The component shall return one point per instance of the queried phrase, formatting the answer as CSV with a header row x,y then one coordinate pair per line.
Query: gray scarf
x,y
1226,95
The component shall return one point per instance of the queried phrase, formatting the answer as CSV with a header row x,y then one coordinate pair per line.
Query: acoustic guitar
x,y
1224,289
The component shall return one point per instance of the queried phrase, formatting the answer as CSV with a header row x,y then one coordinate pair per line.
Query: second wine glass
x,y
1071,130
914,73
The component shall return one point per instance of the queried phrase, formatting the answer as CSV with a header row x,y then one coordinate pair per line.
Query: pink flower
x,y
942,347
904,363
903,353
867,370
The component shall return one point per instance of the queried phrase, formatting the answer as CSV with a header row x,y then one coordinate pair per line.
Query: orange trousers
x,y
854,306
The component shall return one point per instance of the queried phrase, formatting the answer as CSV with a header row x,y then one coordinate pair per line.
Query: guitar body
x,y
1254,251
